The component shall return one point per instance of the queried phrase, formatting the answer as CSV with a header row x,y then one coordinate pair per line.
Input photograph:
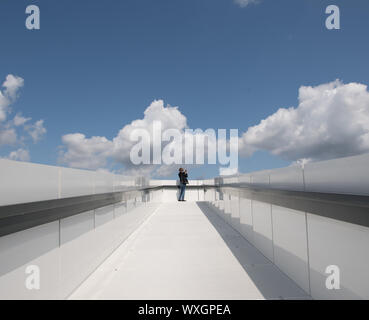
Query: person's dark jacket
x,y
183,177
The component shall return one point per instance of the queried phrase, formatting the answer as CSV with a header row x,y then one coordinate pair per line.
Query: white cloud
x,y
19,155
245,3
93,153
12,84
8,136
19,120
86,153
331,121
36,130
19,129
4,103
170,118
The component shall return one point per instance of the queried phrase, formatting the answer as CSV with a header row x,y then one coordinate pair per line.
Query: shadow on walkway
x,y
270,281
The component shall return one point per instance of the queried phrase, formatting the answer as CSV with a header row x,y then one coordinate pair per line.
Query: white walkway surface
x,y
185,251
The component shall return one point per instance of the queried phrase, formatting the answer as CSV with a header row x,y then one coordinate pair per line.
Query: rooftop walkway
x,y
186,251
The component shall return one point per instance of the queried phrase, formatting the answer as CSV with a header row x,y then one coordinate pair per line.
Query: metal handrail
x,y
343,207
18,217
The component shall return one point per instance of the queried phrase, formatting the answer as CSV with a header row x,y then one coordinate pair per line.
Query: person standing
x,y
183,181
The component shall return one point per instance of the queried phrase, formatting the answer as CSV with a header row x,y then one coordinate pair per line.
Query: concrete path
x,y
185,251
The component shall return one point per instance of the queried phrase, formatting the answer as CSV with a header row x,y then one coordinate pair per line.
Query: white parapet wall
x,y
27,182
304,245
62,253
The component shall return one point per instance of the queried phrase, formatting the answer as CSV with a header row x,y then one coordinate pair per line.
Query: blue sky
x,y
95,66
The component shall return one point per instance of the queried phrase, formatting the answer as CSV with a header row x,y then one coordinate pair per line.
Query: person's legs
x,y
182,192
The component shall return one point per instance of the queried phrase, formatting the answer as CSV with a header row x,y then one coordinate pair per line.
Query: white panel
x,y
227,207
192,195
26,182
290,244
160,195
122,182
216,204
201,195
246,219
221,206
262,219
260,179
345,245
290,178
235,212
104,182
156,196
346,175
77,257
171,195
209,195
125,224
244,178
37,246
104,229
120,209
130,204
76,182
235,208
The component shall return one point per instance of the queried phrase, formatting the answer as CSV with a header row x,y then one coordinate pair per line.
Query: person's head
x,y
180,169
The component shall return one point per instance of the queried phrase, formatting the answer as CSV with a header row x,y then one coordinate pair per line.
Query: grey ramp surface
x,y
185,251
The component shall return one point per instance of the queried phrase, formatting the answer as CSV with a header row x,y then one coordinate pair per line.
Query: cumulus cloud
x,y
169,117
19,155
17,130
36,130
4,103
19,120
8,136
330,121
86,153
245,3
12,84
92,153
